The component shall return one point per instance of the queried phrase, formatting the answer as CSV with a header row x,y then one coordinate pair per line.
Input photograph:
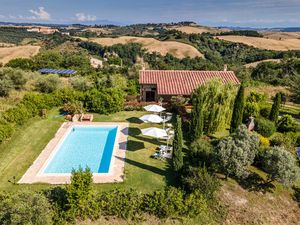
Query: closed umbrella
x,y
154,108
152,118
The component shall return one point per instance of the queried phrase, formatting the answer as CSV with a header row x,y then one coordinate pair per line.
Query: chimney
x,y
143,67
225,67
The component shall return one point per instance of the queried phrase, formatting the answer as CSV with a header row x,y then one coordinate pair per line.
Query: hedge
x,y
104,102
264,127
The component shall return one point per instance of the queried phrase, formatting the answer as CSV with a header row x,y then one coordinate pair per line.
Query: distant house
x,y
156,84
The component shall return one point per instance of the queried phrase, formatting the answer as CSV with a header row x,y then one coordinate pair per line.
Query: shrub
x,y
81,84
167,203
81,202
200,153
25,208
18,115
6,131
21,63
47,83
256,97
5,87
281,166
105,101
282,140
124,204
264,141
264,127
73,107
287,123
265,111
251,109
236,153
198,178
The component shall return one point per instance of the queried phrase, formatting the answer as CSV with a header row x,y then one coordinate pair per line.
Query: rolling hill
x,y
9,53
177,49
265,43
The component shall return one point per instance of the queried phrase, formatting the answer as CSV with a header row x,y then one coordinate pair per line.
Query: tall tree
x,y
177,158
197,122
275,108
238,109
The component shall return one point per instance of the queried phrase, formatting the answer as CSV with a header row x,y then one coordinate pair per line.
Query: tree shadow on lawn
x,y
167,173
134,120
132,145
256,183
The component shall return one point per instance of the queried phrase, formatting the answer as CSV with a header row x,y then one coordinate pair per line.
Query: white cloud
x,y
40,14
85,17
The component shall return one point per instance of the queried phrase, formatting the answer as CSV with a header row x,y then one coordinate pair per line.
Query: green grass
x,y
141,172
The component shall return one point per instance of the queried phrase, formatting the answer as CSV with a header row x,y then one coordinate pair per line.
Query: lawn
x,y
142,172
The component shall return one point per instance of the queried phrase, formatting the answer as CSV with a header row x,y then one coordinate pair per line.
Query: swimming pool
x,y
83,146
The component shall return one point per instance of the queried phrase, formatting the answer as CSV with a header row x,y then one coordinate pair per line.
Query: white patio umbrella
x,y
154,108
152,118
154,132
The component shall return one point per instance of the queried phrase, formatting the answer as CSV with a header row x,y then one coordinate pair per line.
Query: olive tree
x,y
236,153
281,166
25,208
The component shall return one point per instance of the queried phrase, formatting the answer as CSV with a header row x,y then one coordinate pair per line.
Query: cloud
x,y
82,17
40,14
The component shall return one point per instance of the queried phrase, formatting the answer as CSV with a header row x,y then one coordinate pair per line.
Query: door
x,y
150,96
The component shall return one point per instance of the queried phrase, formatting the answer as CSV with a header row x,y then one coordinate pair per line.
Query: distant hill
x,y
278,29
177,49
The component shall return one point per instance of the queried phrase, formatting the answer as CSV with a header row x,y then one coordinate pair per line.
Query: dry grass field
x,y
177,49
9,53
254,64
281,35
264,43
196,29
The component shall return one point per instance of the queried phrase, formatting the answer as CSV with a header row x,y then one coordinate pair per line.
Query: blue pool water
x,y
84,146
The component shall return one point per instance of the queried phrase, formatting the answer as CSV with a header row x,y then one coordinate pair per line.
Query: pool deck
x,y
116,172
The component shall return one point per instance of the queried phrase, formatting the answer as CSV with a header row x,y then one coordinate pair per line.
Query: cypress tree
x,y
275,108
238,109
177,158
197,123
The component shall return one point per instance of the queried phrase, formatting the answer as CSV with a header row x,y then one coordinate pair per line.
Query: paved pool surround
x,y
35,172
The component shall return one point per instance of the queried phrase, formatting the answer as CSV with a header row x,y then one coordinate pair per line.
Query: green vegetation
x,y
275,108
219,99
281,166
236,153
17,35
177,160
238,109
249,33
185,189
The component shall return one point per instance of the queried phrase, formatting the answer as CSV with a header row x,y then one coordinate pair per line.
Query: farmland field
x,y
264,43
9,53
197,29
177,49
254,64
281,35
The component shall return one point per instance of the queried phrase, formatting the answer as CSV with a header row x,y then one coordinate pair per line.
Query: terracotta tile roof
x,y
182,82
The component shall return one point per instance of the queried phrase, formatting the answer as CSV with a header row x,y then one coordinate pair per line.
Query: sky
x,y
242,13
